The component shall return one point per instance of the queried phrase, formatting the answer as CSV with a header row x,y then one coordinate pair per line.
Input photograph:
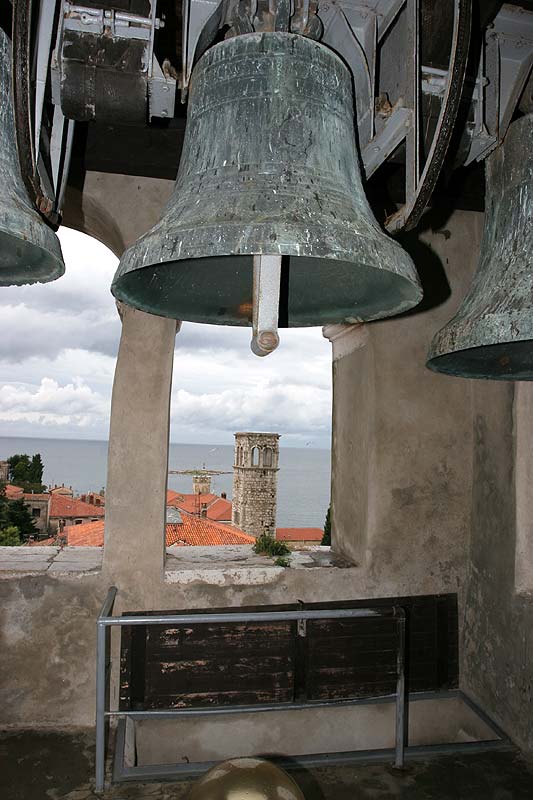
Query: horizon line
x,y
187,444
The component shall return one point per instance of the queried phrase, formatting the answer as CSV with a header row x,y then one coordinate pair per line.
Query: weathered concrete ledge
x,y
53,561
239,565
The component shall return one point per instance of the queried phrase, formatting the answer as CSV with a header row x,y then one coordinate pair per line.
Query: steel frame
x,y
122,772
105,621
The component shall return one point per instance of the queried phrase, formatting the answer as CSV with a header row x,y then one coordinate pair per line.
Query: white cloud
x,y
51,404
57,355
288,408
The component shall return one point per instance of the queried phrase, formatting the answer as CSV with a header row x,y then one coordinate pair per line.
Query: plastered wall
x,y
423,498
402,435
497,653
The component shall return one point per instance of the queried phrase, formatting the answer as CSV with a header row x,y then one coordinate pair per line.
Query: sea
x,y
303,477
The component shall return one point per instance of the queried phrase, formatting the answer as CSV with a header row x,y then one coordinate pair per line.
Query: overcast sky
x,y
58,346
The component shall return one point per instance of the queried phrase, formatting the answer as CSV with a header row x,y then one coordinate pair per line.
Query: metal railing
x,y
106,621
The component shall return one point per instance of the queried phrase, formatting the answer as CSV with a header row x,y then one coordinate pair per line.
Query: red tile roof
x,y
199,532
36,496
218,509
88,534
193,531
13,492
63,506
299,534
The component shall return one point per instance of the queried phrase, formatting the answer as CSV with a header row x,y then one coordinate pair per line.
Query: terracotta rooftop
x,y
218,508
200,532
13,492
299,534
64,506
88,534
36,496
193,531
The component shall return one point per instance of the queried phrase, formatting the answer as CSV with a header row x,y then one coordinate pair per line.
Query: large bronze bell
x,y
269,168
491,336
29,250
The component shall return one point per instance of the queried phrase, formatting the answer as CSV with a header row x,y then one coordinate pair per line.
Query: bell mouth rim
x,y
27,273
311,298
465,363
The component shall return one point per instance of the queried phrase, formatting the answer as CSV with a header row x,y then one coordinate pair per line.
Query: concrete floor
x,y
59,766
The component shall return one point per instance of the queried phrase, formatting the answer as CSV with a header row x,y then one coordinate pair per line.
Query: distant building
x,y
63,490
255,477
39,507
37,504
210,506
201,483
93,498
299,537
66,510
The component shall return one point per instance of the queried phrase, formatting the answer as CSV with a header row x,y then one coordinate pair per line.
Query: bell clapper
x,y
266,283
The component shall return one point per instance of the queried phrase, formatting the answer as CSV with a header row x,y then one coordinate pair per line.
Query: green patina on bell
x,y
269,167
29,250
491,336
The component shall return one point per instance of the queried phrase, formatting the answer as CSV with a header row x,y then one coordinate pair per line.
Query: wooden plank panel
x,y
188,664
239,663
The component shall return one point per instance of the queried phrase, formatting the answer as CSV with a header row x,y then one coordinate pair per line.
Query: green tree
x,y
326,539
26,472
10,537
35,474
19,516
19,467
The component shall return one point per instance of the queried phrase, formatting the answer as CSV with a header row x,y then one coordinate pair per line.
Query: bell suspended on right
x,y
491,336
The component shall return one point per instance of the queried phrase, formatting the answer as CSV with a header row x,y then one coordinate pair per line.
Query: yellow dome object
x,y
246,779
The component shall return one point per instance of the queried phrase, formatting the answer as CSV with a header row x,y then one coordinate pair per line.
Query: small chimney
x,y
223,495
203,510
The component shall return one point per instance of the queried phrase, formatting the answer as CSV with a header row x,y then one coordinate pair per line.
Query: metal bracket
x,y
161,93
387,140
119,24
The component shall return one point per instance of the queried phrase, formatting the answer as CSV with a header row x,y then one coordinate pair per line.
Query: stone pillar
x,y
523,437
353,408
138,455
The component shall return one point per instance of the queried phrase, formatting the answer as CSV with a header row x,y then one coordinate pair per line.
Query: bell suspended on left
x,y
29,249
